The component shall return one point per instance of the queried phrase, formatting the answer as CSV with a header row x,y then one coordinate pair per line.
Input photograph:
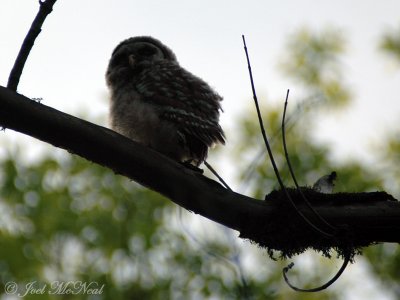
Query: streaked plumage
x,y
156,102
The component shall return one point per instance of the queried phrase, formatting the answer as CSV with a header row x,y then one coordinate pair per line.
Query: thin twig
x,y
322,287
270,152
234,260
332,228
46,8
217,175
260,118
304,105
317,229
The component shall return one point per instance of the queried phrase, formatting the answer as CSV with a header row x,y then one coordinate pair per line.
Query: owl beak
x,y
131,60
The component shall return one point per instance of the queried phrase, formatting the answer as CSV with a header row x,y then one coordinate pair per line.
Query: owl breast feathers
x,y
157,103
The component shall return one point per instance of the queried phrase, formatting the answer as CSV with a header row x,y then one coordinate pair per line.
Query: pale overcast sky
x,y
67,65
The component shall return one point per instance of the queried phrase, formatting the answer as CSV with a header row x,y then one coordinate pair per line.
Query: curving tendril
x,y
283,188
332,230
322,287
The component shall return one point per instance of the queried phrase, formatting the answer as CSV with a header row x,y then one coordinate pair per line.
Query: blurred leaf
x,y
67,219
390,44
313,60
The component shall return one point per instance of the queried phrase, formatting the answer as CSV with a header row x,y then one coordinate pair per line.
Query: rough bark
x,y
363,218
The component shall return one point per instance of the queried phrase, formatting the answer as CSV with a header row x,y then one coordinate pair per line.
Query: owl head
x,y
134,53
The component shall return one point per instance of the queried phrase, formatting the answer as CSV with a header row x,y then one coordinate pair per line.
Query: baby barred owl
x,y
157,103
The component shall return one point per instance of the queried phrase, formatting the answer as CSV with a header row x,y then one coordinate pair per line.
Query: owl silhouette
x,y
157,103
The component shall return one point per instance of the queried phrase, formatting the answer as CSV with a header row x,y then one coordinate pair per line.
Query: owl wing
x,y
186,100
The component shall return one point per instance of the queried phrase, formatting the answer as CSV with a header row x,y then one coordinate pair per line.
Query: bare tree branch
x,y
46,8
369,217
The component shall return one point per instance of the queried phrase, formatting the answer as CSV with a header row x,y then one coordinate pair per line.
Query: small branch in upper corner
x,y
46,7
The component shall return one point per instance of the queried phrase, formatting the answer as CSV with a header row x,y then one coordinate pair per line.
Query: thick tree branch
x,y
364,217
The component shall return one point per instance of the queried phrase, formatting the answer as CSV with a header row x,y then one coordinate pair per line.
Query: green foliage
x,y
69,220
390,44
385,259
313,60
